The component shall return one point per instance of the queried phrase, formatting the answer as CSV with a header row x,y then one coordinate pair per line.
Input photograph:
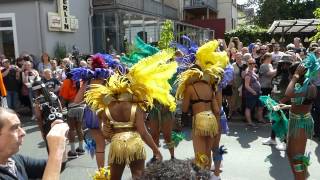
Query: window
x,y
8,36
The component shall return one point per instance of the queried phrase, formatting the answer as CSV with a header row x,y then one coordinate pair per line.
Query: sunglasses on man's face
x,y
263,49
252,63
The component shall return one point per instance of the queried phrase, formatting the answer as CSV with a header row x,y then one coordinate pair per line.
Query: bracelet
x,y
296,76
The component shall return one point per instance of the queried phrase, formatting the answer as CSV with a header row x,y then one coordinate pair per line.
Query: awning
x,y
294,26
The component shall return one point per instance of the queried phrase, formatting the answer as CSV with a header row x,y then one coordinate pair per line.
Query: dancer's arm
x,y
186,100
80,94
142,130
215,106
290,89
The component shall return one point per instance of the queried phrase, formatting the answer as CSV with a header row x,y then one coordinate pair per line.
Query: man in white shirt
x,y
276,54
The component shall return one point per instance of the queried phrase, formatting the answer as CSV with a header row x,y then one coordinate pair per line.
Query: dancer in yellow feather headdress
x,y
196,86
121,105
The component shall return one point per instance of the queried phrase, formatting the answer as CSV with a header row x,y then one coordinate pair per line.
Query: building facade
x,y
36,26
204,13
227,9
117,22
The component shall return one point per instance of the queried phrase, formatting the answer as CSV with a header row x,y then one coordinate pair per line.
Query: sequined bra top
x,y
119,125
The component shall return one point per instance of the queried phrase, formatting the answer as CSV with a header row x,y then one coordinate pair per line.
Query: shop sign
x,y
62,21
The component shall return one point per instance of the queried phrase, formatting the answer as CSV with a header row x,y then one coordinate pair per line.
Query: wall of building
x,y
32,26
227,10
218,25
26,25
81,38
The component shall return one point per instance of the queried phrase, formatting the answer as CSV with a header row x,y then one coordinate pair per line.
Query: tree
x,y
270,10
166,35
317,15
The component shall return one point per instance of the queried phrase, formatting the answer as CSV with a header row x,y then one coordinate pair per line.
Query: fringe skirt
x,y
126,147
300,121
90,118
205,124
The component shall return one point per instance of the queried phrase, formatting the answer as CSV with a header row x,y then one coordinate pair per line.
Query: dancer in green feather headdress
x,y
302,94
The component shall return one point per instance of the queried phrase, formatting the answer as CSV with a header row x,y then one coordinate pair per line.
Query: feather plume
x,y
147,80
227,77
81,74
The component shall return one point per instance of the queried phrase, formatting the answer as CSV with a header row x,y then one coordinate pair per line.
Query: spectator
x,y
56,71
19,62
51,83
83,64
89,62
255,51
317,52
65,65
263,50
269,47
3,91
28,76
2,57
276,54
297,44
290,47
236,84
293,55
252,92
14,166
11,78
266,73
244,50
44,64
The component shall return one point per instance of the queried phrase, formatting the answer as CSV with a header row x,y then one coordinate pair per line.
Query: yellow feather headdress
x,y
147,80
212,66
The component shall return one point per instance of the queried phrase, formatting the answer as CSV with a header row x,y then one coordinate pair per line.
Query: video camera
x,y
49,104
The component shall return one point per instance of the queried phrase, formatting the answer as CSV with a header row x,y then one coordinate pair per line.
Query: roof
x,y
294,26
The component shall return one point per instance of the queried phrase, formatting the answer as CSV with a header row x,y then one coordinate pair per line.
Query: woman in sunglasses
x,y
252,92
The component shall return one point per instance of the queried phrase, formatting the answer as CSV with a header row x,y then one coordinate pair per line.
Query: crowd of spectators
x,y
262,69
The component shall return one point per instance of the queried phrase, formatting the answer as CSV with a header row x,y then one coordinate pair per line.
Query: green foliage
x,y
317,15
166,35
60,51
249,34
271,10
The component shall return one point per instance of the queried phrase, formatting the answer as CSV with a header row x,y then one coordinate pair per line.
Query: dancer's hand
x,y
158,155
300,70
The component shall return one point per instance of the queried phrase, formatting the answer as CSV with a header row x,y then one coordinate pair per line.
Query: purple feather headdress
x,y
188,53
81,73
86,74
227,77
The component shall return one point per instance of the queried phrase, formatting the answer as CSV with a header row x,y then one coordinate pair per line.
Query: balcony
x,y
152,7
198,4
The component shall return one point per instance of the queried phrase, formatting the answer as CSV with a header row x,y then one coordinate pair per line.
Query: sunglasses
x,y
263,49
252,63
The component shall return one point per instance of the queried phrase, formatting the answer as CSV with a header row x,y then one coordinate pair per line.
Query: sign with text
x,y
62,21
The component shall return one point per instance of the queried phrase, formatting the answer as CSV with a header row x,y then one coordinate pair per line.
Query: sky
x,y
242,1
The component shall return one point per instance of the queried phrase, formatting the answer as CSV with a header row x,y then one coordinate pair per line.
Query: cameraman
x,y
14,166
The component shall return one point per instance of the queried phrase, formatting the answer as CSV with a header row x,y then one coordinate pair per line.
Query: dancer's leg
x,y
199,147
116,171
100,146
167,129
137,168
297,146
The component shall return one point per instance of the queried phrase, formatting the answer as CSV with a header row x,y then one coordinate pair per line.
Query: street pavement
x,y
247,158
